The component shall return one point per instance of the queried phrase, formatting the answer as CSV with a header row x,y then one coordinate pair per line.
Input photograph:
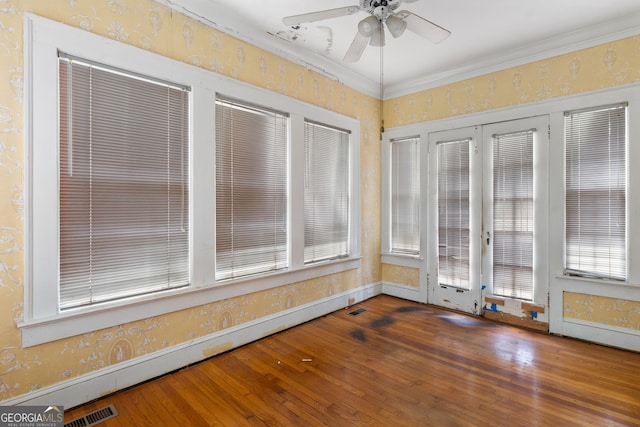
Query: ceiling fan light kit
x,y
377,38
396,26
371,29
368,25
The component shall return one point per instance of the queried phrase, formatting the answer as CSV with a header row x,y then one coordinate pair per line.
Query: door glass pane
x,y
453,213
513,215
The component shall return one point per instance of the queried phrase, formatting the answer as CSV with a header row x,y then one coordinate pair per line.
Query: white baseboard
x,y
402,291
104,381
108,380
613,336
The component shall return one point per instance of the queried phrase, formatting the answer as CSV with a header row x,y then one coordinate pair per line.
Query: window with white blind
x,y
326,192
513,215
147,192
405,196
251,189
453,213
123,184
595,192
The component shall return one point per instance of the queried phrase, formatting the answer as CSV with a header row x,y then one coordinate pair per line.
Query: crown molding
x,y
566,43
234,25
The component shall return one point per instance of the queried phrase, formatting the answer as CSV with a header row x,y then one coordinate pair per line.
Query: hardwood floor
x,y
397,364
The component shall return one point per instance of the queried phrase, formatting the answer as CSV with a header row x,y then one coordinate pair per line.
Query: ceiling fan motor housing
x,y
380,8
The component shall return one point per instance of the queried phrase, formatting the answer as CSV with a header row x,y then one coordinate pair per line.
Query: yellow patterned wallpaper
x,y
154,27
607,311
401,275
599,67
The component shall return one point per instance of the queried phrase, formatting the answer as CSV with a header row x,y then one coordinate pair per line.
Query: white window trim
x,y
560,282
554,108
42,321
541,216
389,256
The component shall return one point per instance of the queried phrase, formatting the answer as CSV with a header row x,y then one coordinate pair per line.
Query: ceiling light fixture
x,y
368,25
396,26
371,29
377,38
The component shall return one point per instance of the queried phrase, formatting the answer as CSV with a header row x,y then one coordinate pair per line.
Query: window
x,y
405,196
251,189
595,188
326,192
513,211
133,210
124,184
453,213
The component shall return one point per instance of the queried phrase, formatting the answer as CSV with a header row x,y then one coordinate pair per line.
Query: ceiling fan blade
x,y
357,47
427,29
320,15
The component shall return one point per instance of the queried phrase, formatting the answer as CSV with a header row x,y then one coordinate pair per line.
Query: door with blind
x,y
489,214
515,213
455,209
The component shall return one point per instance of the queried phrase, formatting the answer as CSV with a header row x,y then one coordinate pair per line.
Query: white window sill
x,y
595,281
89,319
405,260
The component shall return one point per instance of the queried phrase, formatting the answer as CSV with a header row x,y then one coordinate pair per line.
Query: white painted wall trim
x,y
234,25
402,291
96,384
574,41
230,23
43,321
628,339
403,260
558,282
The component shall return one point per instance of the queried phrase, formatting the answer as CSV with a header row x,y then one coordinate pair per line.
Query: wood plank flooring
x,y
397,364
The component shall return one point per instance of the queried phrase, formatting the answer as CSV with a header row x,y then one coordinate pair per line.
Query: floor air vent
x,y
357,312
94,417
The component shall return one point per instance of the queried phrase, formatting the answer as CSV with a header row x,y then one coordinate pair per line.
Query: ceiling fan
x,y
371,29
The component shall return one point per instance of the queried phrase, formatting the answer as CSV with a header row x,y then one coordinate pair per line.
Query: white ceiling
x,y
487,35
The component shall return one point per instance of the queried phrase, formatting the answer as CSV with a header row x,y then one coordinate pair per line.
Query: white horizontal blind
x,y
453,213
513,215
405,196
596,192
124,184
326,192
251,189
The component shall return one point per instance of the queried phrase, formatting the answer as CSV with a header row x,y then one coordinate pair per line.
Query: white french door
x,y
456,211
488,214
515,212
